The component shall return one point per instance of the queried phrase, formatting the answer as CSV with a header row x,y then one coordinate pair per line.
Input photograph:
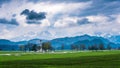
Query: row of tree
x,y
46,46
92,47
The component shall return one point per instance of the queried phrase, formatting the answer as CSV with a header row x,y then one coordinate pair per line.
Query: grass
x,y
100,59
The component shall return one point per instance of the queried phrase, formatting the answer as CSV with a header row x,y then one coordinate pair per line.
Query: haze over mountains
x,y
87,40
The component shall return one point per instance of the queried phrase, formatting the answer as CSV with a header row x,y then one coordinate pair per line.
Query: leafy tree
x,y
93,47
34,47
25,48
29,46
13,49
62,47
77,47
22,47
109,47
38,47
89,48
46,46
101,46
118,48
82,47
73,47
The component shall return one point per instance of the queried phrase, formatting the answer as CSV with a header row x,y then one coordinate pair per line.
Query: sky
x,y
48,19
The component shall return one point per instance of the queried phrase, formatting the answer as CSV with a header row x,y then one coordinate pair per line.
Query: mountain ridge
x,y
56,43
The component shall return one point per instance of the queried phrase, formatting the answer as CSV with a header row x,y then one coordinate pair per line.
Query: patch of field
x,y
67,59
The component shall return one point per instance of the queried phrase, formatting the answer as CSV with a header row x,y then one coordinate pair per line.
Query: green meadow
x,y
64,59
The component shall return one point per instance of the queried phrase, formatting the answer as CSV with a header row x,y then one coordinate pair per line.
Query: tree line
x,y
46,46
91,47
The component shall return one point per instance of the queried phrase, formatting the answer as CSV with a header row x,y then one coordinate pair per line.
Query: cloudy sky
x,y
49,19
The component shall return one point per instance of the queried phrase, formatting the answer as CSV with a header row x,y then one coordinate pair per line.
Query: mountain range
x,y
113,41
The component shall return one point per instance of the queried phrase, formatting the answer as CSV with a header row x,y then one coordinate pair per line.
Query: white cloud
x,y
24,30
45,23
66,22
58,22
98,18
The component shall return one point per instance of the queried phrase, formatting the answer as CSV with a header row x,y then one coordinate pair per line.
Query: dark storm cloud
x,y
11,22
4,1
83,21
106,7
32,16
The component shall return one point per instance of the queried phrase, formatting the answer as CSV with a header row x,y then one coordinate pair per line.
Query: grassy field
x,y
69,59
